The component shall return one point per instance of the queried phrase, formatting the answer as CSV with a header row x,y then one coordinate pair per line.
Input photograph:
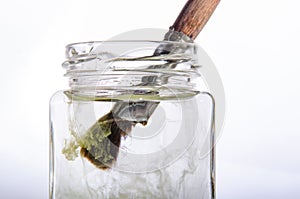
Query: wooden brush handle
x,y
194,16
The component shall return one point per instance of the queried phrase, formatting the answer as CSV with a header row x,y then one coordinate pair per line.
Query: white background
x,y
254,44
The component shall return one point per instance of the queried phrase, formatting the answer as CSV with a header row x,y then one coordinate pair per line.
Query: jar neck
x,y
132,67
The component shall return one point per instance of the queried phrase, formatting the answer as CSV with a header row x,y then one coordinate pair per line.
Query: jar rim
x,y
98,42
130,64
129,40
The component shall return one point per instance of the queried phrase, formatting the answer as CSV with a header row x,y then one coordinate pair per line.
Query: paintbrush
x,y
100,144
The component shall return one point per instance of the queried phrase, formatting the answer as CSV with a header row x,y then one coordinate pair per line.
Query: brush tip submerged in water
x,y
104,150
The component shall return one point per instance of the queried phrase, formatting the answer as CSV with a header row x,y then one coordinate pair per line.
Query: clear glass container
x,y
136,122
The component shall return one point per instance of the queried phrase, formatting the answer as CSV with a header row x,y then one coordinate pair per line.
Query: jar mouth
x,y
89,47
125,65
125,41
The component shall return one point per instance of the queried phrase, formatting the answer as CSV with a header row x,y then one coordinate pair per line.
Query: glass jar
x,y
135,123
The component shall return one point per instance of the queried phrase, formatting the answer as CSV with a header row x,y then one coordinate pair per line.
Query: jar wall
x,y
169,157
